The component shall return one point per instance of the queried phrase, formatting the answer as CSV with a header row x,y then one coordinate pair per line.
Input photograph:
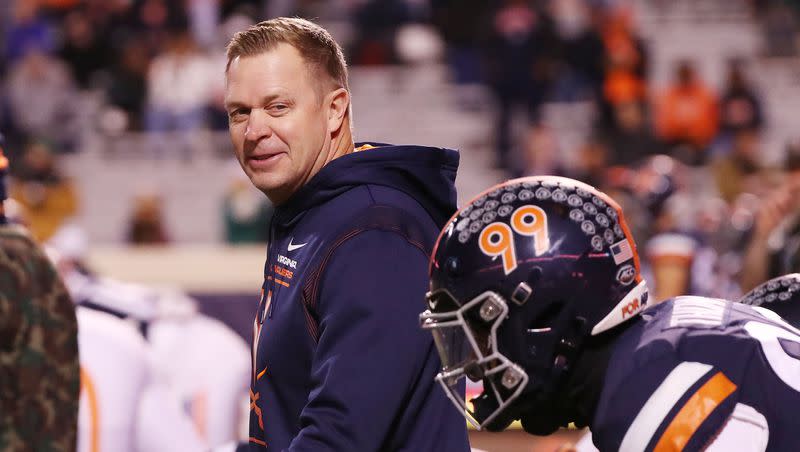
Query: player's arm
x,y
371,350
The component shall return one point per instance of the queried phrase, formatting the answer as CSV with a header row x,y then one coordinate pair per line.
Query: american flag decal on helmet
x,y
621,251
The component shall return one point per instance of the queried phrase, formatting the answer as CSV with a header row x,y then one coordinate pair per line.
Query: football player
x,y
536,292
125,404
205,364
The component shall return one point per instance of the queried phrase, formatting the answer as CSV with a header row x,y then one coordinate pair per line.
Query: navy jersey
x,y
692,367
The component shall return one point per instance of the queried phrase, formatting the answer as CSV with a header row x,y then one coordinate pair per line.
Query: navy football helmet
x,y
520,278
780,295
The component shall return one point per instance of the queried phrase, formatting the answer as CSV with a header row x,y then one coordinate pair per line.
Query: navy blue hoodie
x,y
340,362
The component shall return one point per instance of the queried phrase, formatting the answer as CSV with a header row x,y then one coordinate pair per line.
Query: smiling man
x,y
339,362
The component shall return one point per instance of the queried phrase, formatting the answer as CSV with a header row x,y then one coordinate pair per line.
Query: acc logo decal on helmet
x,y
626,274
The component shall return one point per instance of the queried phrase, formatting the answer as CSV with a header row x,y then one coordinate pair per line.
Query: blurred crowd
x,y
685,157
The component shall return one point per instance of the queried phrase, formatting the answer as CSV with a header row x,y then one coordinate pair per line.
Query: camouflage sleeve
x,y
39,369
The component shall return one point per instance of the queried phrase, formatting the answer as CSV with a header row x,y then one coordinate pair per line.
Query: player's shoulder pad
x,y
658,397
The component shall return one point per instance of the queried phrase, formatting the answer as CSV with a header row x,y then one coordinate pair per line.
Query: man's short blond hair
x,y
317,47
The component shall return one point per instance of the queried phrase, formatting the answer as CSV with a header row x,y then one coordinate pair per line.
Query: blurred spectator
x,y
48,198
252,8
152,20
541,152
376,23
632,139
29,30
780,29
591,164
626,65
111,20
515,74
42,99
463,25
684,256
687,115
146,225
774,246
83,50
59,5
247,214
127,89
178,88
204,18
579,52
644,189
735,171
740,107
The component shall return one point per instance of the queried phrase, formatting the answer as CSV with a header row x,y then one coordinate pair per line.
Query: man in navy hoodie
x,y
339,361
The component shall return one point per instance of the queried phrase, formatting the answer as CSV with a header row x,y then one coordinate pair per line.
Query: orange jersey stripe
x,y
283,283
199,410
261,374
257,441
694,413
87,387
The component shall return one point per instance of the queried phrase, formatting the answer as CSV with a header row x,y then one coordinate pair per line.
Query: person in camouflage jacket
x,y
39,369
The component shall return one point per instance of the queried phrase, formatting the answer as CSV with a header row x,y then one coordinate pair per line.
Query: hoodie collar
x,y
425,173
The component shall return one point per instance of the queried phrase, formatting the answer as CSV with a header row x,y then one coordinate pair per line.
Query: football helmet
x,y
519,278
780,295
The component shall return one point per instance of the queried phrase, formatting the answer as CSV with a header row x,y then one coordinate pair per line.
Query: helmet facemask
x,y
466,339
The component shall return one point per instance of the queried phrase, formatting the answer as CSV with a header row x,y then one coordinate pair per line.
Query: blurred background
x,y
684,110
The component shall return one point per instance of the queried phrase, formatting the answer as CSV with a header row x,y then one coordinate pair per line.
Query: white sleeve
x,y
162,425
746,430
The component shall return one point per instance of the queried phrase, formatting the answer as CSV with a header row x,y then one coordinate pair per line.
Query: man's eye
x,y
279,108
238,114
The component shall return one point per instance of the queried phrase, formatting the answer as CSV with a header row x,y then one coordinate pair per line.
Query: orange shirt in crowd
x,y
623,86
687,113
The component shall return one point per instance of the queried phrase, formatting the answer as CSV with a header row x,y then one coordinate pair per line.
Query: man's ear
x,y
337,105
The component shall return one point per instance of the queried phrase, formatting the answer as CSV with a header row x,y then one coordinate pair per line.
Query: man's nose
x,y
258,126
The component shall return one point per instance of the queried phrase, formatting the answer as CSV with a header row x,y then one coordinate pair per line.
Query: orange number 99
x,y
532,221
498,240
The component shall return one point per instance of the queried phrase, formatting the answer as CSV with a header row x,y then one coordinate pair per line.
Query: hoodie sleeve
x,y
371,351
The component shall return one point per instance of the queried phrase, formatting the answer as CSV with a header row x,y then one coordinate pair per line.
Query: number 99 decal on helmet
x,y
520,277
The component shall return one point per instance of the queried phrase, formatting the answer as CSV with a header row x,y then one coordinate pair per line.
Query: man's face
x,y
277,120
